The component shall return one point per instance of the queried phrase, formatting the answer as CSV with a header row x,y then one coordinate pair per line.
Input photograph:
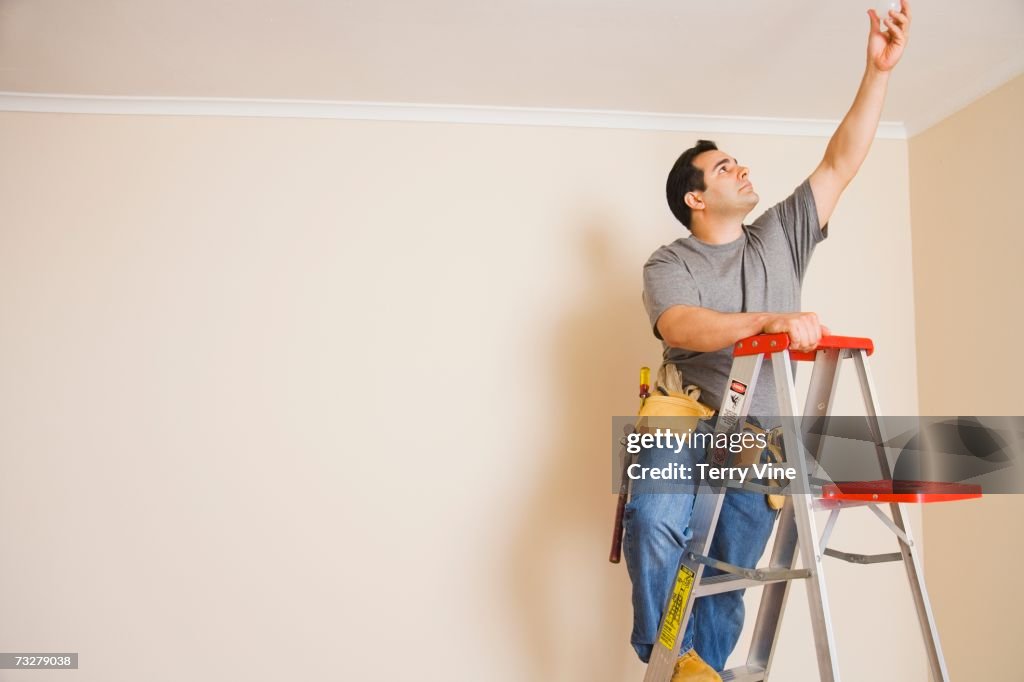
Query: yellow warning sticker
x,y
674,616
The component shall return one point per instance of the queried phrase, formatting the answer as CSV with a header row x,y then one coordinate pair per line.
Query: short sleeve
x,y
667,282
797,215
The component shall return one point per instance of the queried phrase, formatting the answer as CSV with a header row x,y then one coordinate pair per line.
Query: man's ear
x,y
693,201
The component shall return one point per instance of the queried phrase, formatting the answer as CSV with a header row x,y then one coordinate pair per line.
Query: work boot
x,y
691,668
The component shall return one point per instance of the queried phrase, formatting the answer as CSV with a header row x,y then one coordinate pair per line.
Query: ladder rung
x,y
747,673
863,558
728,583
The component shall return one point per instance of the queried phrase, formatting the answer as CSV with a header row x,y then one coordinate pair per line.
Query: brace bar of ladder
x,y
759,575
890,525
863,558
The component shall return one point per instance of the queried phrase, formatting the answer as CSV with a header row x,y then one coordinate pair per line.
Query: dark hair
x,y
685,177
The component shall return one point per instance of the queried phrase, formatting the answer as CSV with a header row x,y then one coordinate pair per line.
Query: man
x,y
725,282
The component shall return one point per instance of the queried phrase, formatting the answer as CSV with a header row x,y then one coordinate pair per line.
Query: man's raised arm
x,y
849,145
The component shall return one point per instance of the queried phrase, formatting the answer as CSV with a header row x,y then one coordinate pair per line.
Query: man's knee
x,y
658,519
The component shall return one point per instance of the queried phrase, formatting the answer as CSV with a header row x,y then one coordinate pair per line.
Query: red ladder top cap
x,y
775,343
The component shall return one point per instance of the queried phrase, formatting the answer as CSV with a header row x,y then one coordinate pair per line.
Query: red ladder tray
x,y
900,491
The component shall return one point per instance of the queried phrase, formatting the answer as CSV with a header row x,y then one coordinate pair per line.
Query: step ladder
x,y
797,532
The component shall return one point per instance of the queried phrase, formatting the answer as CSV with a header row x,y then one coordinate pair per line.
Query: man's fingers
x,y
815,335
817,329
794,333
900,20
807,337
898,36
905,8
873,18
814,330
804,330
804,334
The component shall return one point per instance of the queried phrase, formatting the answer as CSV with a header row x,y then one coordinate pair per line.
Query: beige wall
x,y
330,400
965,189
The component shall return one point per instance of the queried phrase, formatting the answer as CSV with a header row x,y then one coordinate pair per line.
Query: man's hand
x,y
886,48
804,329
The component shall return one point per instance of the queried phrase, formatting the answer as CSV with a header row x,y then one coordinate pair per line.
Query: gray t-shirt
x,y
761,271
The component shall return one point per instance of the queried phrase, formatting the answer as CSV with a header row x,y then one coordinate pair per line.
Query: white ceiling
x,y
785,59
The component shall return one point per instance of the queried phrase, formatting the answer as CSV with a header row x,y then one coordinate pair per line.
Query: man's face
x,y
729,191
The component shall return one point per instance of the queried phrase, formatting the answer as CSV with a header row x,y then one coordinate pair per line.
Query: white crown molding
x,y
432,113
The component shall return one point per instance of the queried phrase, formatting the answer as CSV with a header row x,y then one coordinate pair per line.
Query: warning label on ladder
x,y
737,390
729,415
674,615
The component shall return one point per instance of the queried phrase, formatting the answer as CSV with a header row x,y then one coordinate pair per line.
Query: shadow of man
x,y
572,606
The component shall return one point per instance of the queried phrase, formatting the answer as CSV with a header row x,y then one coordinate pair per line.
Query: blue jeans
x,y
656,534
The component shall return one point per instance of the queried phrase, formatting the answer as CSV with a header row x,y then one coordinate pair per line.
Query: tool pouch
x,y
676,412
677,407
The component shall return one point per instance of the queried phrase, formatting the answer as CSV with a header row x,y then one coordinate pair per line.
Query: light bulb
x,y
882,10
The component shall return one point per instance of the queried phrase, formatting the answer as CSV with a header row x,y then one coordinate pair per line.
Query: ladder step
x,y
730,582
747,673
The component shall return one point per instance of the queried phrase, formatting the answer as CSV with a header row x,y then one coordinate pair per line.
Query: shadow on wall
x,y
571,605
